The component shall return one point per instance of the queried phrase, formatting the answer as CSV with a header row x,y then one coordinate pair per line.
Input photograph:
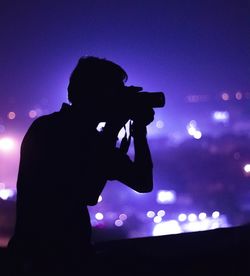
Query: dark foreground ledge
x,y
224,251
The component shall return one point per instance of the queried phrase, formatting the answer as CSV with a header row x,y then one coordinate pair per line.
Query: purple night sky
x,y
179,47
196,52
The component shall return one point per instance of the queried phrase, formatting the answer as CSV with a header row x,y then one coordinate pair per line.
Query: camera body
x,y
140,102
149,99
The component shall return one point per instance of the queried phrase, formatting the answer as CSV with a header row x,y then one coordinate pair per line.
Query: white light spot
x,y
247,168
157,219
123,217
159,124
202,216
182,217
6,193
6,144
192,217
193,123
191,130
215,214
221,116
118,223
150,214
161,213
197,134
166,228
99,216
99,198
165,197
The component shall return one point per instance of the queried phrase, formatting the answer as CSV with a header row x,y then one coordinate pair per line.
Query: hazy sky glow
x,y
179,47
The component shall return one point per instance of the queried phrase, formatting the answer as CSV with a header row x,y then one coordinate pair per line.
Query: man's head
x,y
95,80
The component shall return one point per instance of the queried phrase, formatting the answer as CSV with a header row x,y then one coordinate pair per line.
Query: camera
x,y
150,99
138,101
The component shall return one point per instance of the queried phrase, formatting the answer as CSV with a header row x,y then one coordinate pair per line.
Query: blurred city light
x,y
99,216
32,114
11,115
123,217
166,197
167,228
247,168
202,216
161,213
192,217
221,116
225,96
238,95
215,214
7,144
157,219
118,223
159,124
150,214
182,217
99,198
6,193
196,226
197,134
192,130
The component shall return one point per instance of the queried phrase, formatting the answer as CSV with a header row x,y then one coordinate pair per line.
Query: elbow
x,y
91,201
145,186
145,189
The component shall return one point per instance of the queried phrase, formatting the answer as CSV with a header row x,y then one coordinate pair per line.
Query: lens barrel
x,y
152,99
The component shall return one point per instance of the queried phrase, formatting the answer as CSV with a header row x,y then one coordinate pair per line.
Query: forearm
x,y
142,159
142,152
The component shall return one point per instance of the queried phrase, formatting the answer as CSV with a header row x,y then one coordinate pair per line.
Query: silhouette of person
x,y
64,166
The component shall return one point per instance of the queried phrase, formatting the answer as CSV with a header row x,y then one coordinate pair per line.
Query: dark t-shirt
x,y
64,166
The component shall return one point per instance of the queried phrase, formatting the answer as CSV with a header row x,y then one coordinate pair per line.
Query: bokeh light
x,y
247,168
166,197
32,114
118,223
202,216
157,219
225,96
99,216
182,217
7,144
150,214
215,214
167,228
11,115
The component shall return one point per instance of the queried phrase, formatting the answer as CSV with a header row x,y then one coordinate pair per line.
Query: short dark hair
x,y
92,73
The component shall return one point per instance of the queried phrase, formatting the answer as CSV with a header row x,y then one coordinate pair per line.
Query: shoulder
x,y
44,122
41,127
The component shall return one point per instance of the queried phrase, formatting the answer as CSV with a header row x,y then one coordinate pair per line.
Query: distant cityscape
x,y
201,155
